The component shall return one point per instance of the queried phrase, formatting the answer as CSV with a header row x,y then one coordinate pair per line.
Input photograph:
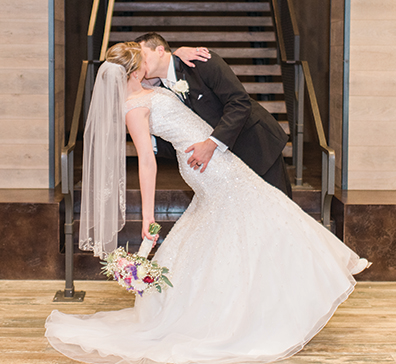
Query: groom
x,y
217,96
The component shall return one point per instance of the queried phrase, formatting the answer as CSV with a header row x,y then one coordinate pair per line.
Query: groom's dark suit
x,y
249,130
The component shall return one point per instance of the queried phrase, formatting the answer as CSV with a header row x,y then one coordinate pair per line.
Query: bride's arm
x,y
137,121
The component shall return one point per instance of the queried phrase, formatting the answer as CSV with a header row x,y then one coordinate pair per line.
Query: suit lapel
x,y
180,75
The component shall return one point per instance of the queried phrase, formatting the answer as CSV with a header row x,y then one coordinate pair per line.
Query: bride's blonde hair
x,y
126,54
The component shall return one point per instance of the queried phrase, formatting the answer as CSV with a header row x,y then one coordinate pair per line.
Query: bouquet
x,y
134,272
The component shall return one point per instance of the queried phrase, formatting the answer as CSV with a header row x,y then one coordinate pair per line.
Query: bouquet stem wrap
x,y
147,244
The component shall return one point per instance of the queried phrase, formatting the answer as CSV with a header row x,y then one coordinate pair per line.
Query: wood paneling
x,y
23,81
372,108
19,131
23,106
372,133
25,156
24,178
27,56
372,158
375,32
373,58
372,97
383,180
23,31
24,9
373,10
24,93
373,84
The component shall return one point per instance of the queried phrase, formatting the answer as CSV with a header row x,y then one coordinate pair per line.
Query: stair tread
x,y
200,36
192,6
257,70
274,107
245,52
217,21
263,87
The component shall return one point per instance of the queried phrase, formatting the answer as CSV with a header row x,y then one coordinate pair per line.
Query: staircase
x,y
240,32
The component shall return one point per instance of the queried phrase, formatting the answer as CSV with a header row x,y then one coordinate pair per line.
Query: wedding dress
x,y
255,278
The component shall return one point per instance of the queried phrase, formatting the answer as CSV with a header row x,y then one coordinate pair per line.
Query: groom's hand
x,y
187,54
203,153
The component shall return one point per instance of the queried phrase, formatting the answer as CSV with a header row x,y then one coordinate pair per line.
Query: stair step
x,y
288,150
166,201
263,87
200,36
192,6
161,21
245,52
257,70
274,107
285,126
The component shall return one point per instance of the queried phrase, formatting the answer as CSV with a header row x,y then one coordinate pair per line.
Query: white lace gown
x,y
255,278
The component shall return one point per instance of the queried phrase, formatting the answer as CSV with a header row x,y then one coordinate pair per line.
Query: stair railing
x,y
96,38
296,75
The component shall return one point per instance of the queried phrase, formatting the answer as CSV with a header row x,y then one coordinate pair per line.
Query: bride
x,y
255,278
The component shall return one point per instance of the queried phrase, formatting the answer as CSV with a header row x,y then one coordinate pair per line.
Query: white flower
x,y
181,87
141,271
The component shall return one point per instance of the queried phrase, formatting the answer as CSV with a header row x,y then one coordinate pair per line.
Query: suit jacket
x,y
219,98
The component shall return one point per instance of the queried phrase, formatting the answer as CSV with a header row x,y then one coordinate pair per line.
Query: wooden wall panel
x,y
373,84
23,31
23,81
24,9
17,131
23,106
24,139
372,98
25,156
27,56
24,178
373,58
373,10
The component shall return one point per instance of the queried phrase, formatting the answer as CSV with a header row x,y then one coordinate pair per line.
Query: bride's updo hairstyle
x,y
126,54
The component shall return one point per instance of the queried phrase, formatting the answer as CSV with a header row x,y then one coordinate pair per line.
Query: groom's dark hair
x,y
153,40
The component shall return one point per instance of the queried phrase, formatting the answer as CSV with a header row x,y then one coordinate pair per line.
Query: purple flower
x,y
117,276
132,269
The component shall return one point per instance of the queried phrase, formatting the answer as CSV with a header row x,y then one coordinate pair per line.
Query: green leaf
x,y
158,288
154,228
167,281
165,270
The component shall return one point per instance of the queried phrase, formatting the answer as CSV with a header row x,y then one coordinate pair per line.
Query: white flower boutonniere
x,y
181,87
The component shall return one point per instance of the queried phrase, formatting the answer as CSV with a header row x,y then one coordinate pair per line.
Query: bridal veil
x,y
103,181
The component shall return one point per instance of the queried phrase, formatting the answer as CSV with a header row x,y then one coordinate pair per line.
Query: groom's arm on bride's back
x,y
137,121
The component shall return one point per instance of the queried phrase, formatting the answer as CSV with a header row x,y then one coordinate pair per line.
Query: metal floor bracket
x,y
78,296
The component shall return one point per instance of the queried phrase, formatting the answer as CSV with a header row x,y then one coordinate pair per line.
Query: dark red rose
x,y
148,279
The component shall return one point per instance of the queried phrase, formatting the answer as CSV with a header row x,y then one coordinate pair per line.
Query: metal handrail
x,y
302,78
67,154
91,28
67,183
106,35
328,153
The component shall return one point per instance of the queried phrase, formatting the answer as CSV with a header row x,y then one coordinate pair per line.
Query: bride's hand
x,y
145,231
187,54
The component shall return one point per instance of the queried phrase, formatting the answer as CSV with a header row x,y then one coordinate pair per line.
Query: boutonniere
x,y
181,87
